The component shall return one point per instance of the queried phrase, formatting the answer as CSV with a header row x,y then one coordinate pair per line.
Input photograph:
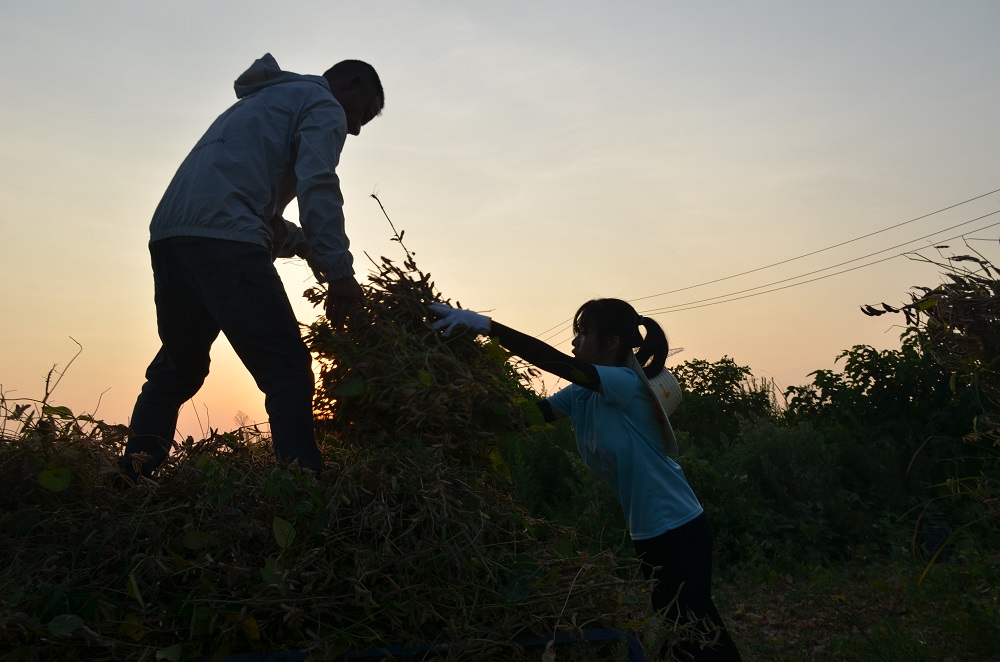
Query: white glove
x,y
453,318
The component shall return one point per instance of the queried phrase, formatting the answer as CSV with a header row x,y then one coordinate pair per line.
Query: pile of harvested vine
x,y
410,536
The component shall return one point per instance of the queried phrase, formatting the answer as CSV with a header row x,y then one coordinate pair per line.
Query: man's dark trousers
x,y
204,286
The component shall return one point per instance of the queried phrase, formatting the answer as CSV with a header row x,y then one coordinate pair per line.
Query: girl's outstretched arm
x,y
546,357
530,349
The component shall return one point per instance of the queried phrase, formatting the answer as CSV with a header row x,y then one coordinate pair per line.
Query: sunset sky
x,y
537,154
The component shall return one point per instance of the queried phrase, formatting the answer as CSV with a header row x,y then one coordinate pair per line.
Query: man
x,y
216,233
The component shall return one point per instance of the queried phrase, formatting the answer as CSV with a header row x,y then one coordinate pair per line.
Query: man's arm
x,y
293,240
319,141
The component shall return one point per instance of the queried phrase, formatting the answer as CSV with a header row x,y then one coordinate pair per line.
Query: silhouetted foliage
x,y
882,410
717,397
958,323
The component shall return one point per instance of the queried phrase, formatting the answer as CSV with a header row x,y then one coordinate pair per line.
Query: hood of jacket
x,y
265,72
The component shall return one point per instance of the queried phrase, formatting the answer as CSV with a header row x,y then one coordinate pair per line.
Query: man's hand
x,y
343,297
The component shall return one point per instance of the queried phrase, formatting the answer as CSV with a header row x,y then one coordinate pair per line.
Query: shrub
x,y
718,397
775,498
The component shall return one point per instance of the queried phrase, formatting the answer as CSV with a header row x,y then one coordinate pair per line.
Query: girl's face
x,y
586,347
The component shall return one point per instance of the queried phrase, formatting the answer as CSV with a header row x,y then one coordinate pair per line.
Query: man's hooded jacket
x,y
281,140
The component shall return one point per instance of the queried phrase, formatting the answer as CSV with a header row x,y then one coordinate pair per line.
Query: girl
x,y
615,411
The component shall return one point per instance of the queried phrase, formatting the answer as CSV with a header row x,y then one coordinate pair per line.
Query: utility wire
x,y
558,328
840,264
731,296
811,280
821,250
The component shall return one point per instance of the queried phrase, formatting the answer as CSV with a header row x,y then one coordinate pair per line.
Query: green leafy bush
x,y
775,498
718,397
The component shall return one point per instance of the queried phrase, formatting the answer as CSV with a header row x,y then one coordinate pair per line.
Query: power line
x,y
559,328
821,250
840,264
811,280
731,296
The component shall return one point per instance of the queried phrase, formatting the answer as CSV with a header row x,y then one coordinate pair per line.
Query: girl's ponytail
x,y
653,351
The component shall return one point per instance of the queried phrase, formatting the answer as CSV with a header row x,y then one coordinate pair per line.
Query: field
x,y
448,512
875,611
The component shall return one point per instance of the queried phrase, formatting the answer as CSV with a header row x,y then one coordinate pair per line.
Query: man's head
x,y
357,87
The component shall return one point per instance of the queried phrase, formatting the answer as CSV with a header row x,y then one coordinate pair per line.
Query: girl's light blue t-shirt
x,y
617,436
